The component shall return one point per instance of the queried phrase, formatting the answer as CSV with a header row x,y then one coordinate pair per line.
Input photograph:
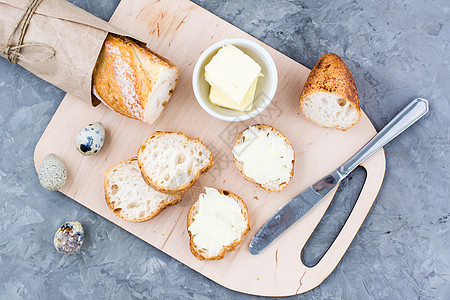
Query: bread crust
x,y
118,213
104,80
183,188
239,164
190,218
331,75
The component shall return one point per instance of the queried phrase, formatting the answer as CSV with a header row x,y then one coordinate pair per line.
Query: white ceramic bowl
x,y
265,89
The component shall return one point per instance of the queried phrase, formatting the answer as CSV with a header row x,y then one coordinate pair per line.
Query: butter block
x,y
232,72
218,98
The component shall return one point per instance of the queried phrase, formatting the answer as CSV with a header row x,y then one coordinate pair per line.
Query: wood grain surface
x,y
181,30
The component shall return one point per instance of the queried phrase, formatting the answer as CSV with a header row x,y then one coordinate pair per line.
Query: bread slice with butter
x,y
217,222
129,197
170,162
265,156
329,97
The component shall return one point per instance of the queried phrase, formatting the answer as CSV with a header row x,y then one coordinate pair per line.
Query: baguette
x,y
265,156
329,97
129,197
217,222
133,80
170,162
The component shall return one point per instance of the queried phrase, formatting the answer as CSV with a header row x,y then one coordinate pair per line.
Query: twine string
x,y
13,52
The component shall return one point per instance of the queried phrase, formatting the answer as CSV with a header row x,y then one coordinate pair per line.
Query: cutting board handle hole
x,y
334,218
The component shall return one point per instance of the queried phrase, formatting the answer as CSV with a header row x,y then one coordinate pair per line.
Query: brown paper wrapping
x,y
76,35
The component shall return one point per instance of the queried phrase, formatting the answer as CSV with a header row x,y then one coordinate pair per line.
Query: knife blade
x,y
301,204
290,213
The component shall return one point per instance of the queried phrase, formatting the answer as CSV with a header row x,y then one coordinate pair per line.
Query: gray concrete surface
x,y
397,50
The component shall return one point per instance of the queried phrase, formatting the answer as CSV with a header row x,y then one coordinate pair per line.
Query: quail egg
x,y
89,140
69,237
52,172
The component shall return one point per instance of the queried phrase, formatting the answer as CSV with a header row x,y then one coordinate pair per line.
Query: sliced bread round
x,y
265,156
329,97
217,222
170,162
129,197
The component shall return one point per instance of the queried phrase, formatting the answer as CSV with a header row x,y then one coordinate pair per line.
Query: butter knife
x,y
295,209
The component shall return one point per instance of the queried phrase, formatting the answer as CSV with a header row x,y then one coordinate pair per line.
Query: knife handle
x,y
405,118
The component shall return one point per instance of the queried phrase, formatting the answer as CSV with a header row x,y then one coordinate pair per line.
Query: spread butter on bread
x,y
217,222
133,80
265,156
129,197
329,97
170,162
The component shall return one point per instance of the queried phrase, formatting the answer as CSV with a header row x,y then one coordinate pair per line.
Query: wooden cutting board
x,y
181,30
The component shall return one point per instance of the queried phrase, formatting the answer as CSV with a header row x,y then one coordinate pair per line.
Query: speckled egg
x,y
52,172
69,237
90,139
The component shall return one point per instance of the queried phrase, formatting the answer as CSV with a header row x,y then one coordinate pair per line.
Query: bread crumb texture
x,y
171,162
129,197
